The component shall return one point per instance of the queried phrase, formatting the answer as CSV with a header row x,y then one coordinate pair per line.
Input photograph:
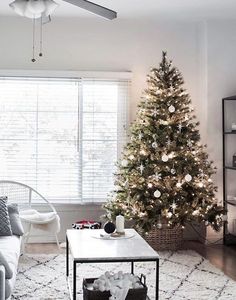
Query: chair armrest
x,y
2,282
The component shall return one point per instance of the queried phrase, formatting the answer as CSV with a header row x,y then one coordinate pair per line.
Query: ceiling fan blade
x,y
94,8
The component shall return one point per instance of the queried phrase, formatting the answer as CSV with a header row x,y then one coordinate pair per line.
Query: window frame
x,y
75,75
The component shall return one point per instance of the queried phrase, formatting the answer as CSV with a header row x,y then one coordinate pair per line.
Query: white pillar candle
x,y
120,223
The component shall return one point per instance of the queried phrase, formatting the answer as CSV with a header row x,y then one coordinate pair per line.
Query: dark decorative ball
x,y
109,227
33,60
40,54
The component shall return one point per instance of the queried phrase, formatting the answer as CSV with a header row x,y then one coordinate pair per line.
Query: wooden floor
x,y
222,257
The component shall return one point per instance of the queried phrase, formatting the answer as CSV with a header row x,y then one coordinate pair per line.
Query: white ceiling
x,y
174,9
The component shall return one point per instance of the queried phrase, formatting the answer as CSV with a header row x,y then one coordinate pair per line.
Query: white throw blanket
x,y
43,221
118,284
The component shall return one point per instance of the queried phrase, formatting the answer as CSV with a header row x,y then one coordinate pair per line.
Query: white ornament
x,y
188,177
174,206
196,212
141,168
178,184
143,152
124,163
171,109
168,143
189,143
140,135
172,171
154,113
154,145
164,158
180,127
157,176
157,194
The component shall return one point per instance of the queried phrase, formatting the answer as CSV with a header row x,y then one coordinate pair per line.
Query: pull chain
x,y
41,38
33,54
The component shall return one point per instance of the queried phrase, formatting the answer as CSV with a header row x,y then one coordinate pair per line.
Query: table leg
x,y
67,257
132,267
157,279
74,280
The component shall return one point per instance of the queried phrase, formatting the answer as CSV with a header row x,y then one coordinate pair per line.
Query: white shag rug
x,y
184,275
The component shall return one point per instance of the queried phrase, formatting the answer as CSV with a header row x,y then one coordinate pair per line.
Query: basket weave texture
x,y
165,238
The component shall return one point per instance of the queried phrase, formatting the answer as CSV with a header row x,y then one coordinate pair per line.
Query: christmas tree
x,y
164,174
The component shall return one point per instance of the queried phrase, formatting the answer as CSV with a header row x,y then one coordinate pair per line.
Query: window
x,y
62,136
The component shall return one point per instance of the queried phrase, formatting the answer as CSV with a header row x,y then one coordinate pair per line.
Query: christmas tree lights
x,y
164,175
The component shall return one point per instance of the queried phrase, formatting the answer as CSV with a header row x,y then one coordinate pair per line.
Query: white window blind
x,y
62,136
103,119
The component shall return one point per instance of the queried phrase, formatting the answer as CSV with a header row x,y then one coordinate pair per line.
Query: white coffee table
x,y
85,248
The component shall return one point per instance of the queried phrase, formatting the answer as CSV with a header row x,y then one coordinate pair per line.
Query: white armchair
x,y
30,203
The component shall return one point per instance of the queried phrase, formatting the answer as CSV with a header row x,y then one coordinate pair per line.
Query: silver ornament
x,y
173,171
154,145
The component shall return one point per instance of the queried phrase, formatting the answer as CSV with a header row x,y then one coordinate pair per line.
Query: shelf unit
x,y
228,117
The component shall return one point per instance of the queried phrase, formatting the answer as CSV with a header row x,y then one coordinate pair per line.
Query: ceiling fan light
x,y
50,7
28,14
19,6
36,6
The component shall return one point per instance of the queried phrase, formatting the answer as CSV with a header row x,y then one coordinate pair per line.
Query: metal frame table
x,y
86,248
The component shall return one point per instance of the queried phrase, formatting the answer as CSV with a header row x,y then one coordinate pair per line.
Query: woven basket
x,y
165,238
133,294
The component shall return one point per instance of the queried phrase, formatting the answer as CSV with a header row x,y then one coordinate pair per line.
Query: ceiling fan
x,y
38,8
94,8
42,9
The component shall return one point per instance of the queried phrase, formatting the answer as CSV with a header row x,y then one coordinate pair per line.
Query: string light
x,y
167,168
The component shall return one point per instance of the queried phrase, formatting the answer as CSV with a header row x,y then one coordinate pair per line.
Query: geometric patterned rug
x,y
184,275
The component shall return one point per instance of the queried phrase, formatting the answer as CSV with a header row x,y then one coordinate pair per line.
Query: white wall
x,y
81,44
221,82
221,48
95,44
